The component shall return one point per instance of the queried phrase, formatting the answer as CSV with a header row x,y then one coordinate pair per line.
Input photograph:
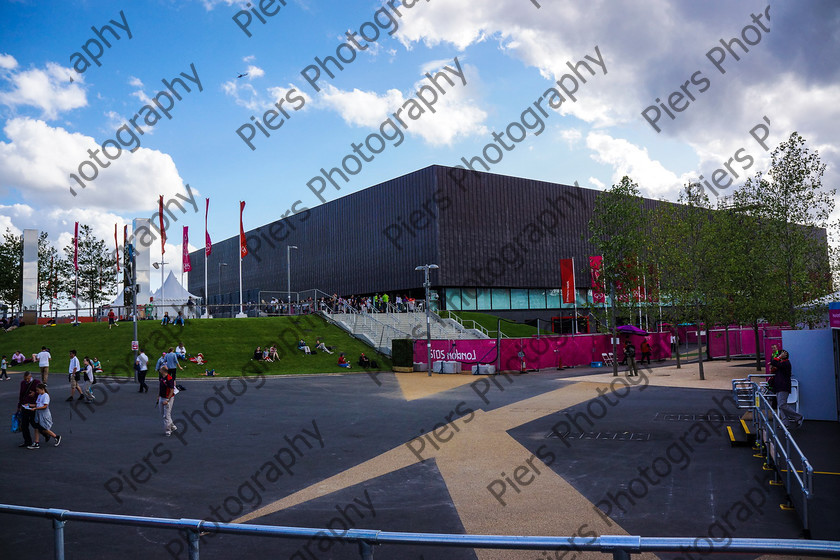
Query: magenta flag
x,y
208,245
598,295
76,247
187,265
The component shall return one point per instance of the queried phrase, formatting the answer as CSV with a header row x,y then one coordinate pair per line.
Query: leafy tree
x,y
792,206
11,270
687,239
97,274
616,230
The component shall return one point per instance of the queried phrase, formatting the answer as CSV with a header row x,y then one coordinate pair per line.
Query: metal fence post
x,y
58,538
365,550
192,539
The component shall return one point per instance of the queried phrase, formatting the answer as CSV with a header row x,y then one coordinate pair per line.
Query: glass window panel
x,y
468,299
553,298
518,298
501,298
453,299
483,300
536,299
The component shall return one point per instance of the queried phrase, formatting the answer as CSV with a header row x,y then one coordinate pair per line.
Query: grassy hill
x,y
227,345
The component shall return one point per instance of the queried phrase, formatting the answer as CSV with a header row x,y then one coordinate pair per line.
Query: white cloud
x,y
597,184
52,90
456,113
628,159
254,72
243,94
278,93
8,62
38,160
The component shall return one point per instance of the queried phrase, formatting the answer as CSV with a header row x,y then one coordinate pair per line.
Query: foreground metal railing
x,y
776,445
619,546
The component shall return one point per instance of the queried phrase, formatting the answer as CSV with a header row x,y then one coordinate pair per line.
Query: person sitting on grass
x,y
321,346
181,351
301,344
342,361
258,354
272,354
166,320
97,366
179,320
364,361
265,355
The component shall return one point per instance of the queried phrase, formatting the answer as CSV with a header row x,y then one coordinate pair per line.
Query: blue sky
x,y
510,51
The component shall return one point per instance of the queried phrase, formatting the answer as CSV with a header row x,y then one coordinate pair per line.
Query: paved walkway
x,y
577,452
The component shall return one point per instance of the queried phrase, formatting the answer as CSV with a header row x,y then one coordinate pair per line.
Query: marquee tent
x,y
173,297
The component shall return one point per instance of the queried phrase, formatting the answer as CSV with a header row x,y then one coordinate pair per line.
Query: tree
x,y
617,231
687,240
97,274
11,270
793,207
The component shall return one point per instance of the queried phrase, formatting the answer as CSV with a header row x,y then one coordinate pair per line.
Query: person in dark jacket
x,y
28,395
782,385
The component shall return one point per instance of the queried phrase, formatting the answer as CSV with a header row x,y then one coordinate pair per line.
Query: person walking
x,y
166,400
645,348
782,386
74,376
43,418
27,398
142,369
44,358
3,365
630,356
172,364
112,319
88,380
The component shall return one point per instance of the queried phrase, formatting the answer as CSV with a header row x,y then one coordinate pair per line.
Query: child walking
x,y
3,366
43,418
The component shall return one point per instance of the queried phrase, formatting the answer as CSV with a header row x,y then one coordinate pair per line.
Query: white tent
x,y
173,297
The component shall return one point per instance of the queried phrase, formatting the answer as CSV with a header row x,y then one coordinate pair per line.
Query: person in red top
x,y
166,400
28,395
112,319
645,347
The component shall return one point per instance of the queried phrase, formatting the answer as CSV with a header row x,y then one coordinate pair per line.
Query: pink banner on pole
x,y
186,250
595,264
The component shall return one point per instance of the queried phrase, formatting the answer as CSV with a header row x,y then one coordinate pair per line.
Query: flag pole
x,y
574,296
241,236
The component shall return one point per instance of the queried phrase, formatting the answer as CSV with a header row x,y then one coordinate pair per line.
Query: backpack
x,y
630,351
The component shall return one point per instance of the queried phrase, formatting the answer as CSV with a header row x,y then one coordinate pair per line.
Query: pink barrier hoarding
x,y
834,315
537,353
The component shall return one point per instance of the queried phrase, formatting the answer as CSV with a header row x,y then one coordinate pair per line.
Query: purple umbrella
x,y
630,329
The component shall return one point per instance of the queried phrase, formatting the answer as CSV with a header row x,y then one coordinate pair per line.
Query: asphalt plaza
x,y
355,452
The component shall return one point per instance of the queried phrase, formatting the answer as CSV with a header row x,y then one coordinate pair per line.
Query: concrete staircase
x,y
379,329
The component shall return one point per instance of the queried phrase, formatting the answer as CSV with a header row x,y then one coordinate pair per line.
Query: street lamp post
x,y
289,275
427,284
221,264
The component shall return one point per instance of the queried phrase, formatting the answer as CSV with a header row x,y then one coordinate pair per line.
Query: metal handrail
x,y
619,546
767,421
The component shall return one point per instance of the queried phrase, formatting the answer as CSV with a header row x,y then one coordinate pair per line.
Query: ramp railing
x,y
777,446
620,547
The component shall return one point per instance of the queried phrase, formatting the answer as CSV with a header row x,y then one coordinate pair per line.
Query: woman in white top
x,y
43,418
88,379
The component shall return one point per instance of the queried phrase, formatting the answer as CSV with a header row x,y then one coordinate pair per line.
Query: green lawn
x,y
227,345
490,322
